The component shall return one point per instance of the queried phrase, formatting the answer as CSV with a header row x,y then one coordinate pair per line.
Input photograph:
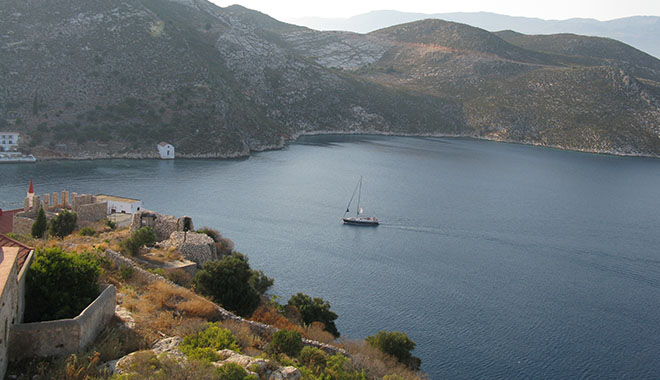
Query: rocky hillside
x,y
111,79
639,31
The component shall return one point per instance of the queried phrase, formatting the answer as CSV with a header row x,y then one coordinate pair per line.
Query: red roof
x,y
7,220
23,250
31,189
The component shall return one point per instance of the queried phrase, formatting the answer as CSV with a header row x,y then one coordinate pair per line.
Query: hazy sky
x,y
554,9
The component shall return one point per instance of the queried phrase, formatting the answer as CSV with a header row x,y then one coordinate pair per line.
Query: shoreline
x,y
273,147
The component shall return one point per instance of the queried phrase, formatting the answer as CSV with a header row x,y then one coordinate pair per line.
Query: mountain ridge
x,y
99,79
638,31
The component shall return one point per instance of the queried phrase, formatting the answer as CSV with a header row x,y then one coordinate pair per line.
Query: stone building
x,y
86,206
166,151
120,205
61,337
15,258
8,141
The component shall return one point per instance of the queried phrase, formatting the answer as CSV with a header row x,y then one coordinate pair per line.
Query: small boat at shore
x,y
14,157
358,219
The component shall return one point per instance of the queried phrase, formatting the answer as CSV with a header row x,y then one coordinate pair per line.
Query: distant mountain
x,y
642,32
95,78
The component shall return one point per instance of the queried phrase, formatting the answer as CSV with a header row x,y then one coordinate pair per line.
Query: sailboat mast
x,y
348,207
359,194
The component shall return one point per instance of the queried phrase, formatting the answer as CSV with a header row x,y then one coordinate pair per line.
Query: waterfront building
x,y
8,141
166,151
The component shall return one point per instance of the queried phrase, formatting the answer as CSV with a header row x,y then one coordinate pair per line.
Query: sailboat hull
x,y
361,221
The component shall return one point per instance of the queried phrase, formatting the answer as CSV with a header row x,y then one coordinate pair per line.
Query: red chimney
x,y
31,189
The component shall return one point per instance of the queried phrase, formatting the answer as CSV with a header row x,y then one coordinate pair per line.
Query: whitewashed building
x,y
166,151
120,205
8,141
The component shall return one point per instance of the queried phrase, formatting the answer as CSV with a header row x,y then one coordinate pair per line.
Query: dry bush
x,y
166,310
116,341
163,255
269,315
179,277
316,331
376,363
245,338
189,327
165,296
198,307
139,279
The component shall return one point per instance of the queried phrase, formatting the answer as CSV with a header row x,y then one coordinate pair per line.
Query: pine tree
x,y
40,225
63,224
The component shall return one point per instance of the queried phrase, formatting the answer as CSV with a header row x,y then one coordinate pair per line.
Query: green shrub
x,y
60,284
110,223
340,367
313,358
260,282
397,344
40,225
147,366
158,271
63,224
315,310
204,344
126,272
138,239
227,282
87,231
286,342
232,371
179,277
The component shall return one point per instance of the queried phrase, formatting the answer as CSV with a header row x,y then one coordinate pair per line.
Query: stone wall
x,y
8,301
64,336
22,225
22,280
257,328
91,213
79,200
86,207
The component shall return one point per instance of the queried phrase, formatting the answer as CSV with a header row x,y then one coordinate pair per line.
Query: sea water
x,y
500,261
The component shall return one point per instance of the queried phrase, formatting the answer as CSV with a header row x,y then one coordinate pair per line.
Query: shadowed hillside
x,y
106,79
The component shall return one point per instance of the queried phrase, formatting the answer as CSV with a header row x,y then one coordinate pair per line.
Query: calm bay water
x,y
499,260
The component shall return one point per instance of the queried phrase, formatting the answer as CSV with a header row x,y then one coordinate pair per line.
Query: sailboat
x,y
358,219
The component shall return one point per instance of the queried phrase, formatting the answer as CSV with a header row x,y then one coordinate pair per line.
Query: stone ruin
x,y
87,208
194,246
162,224
177,233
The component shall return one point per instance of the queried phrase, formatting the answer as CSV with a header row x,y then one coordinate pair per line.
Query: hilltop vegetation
x,y
196,338
103,79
